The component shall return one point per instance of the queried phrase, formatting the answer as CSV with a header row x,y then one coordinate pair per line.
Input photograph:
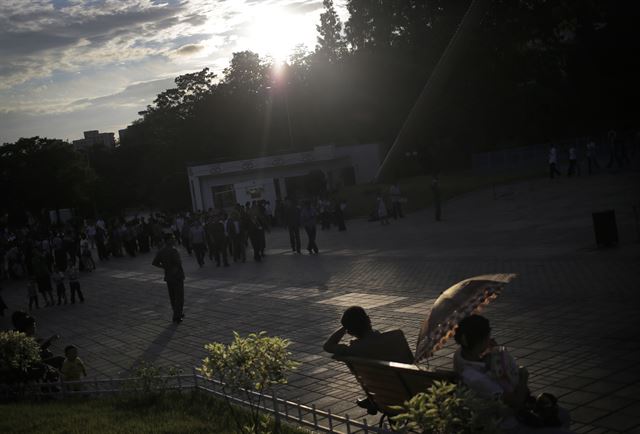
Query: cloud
x,y
189,49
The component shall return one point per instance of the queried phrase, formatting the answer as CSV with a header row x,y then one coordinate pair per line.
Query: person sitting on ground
x,y
390,346
475,363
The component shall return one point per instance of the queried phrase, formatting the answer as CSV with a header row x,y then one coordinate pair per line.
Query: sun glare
x,y
275,33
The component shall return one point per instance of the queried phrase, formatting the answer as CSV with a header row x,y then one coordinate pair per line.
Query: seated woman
x,y
473,363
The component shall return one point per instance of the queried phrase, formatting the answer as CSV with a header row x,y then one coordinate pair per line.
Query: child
x,y
73,368
33,294
58,278
74,284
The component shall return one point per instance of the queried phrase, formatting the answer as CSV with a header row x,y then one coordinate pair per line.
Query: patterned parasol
x,y
457,302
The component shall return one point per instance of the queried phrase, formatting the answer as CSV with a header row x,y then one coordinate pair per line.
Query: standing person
x,y
197,239
74,284
592,161
61,290
91,234
341,206
308,218
43,277
291,216
435,188
85,254
217,240
396,201
185,234
73,368
381,208
32,294
553,161
168,258
236,231
573,162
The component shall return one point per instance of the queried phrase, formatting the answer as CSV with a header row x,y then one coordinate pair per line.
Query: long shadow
x,y
155,348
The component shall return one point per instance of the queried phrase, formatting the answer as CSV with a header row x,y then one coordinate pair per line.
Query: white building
x,y
222,185
94,137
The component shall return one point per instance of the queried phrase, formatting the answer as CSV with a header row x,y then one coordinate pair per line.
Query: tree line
x,y
536,71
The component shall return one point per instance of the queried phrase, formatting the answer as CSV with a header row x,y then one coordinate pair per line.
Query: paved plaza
x,y
571,316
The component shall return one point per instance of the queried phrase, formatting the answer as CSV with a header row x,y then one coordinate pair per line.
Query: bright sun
x,y
275,33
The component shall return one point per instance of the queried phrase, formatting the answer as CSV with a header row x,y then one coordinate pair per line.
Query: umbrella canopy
x,y
457,302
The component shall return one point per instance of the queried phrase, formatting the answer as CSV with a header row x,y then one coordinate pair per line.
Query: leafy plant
x,y
447,409
149,379
18,352
247,365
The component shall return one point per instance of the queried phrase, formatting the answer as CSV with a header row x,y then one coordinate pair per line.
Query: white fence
x,y
282,410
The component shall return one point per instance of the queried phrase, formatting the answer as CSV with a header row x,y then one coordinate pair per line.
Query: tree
x,y
331,44
39,173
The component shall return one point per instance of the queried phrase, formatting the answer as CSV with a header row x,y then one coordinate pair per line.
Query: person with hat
x,y
168,258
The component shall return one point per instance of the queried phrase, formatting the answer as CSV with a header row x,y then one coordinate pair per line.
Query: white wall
x,y
365,158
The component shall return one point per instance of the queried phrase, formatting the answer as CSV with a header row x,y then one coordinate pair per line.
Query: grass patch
x,y
361,199
171,413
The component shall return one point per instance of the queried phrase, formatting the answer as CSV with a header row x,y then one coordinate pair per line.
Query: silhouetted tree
x,y
331,44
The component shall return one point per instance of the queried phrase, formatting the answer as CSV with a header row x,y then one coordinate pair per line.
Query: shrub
x,y
254,363
18,353
446,409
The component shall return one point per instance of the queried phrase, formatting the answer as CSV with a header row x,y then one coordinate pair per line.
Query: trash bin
x,y
606,230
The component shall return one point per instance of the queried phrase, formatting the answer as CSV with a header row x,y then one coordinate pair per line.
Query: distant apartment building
x,y
94,137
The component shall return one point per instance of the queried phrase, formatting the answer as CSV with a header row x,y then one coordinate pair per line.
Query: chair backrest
x,y
389,384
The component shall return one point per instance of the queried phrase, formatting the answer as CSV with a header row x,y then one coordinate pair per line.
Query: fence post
x,y
195,378
299,412
330,421
365,427
61,384
179,382
276,413
348,424
315,416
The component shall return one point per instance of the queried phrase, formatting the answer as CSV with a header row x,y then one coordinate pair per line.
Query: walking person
x,y
197,239
168,258
308,218
291,216
553,161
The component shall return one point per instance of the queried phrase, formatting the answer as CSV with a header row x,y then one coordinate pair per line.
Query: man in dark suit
x,y
168,259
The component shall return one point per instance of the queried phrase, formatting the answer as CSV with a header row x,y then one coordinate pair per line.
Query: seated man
x,y
391,346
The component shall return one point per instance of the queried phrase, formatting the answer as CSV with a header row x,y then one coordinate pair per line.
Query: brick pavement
x,y
570,317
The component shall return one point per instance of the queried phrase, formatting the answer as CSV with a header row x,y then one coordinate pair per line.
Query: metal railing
x,y
281,410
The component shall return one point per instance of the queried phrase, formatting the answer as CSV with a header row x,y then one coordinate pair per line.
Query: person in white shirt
x,y
553,160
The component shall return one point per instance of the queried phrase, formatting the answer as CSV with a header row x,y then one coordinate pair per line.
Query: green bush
x,y
448,409
254,363
18,353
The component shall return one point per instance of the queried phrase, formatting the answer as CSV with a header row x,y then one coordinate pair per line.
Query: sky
x,y
69,66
